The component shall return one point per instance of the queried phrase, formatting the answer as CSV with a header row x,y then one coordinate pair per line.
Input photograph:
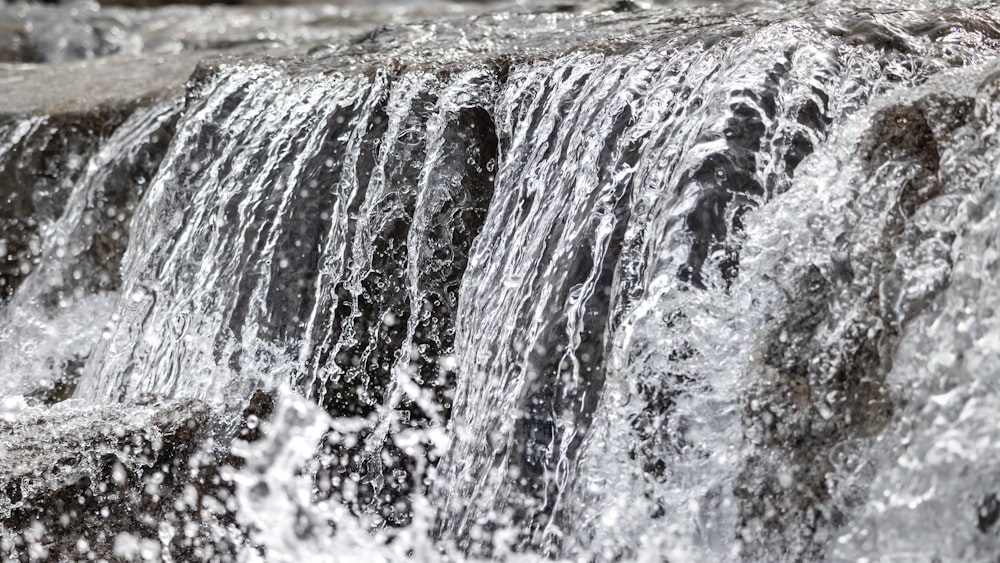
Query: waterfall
x,y
644,171
67,274
624,284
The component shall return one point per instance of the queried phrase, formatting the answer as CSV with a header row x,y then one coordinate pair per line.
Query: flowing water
x,y
517,283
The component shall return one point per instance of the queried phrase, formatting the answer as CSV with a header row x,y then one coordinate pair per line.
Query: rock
x,y
13,43
948,286
988,512
51,133
259,409
63,386
88,86
78,481
814,400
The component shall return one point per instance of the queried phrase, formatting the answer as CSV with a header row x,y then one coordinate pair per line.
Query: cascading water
x,y
76,276
641,283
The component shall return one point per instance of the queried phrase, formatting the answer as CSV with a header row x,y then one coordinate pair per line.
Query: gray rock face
x,y
114,481
55,122
89,86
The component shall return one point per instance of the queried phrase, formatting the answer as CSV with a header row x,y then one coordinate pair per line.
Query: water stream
x,y
643,283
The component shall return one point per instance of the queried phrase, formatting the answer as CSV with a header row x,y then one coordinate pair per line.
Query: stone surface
x,y
76,481
49,135
84,87
815,402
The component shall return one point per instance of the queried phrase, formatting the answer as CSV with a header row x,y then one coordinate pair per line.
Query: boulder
x,y
816,404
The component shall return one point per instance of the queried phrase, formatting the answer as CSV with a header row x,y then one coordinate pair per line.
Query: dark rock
x,y
36,177
988,512
62,387
78,481
728,179
259,409
379,317
14,45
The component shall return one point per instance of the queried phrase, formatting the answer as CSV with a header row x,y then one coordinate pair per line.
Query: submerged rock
x,y
823,392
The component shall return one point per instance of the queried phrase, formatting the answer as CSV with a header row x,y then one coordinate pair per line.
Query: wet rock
x,y
62,387
49,134
957,515
988,512
78,481
382,318
259,409
728,179
816,401
83,87
37,173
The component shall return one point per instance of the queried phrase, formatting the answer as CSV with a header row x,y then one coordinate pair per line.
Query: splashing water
x,y
680,283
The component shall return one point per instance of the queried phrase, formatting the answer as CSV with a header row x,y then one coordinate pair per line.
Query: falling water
x,y
67,274
630,284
